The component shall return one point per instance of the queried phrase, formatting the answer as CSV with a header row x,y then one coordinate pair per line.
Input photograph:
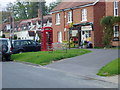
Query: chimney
x,y
39,14
10,19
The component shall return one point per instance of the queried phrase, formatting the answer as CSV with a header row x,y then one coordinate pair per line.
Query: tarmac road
x,y
19,75
87,64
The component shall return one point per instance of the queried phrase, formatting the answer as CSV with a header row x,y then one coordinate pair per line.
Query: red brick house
x,y
84,15
113,9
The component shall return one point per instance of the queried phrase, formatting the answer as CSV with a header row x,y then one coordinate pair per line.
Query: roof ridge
x,y
63,6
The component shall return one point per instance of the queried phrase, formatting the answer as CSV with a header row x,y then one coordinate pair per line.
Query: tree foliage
x,y
26,10
52,5
108,23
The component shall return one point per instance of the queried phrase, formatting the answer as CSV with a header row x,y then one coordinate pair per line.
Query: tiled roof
x,y
45,18
65,5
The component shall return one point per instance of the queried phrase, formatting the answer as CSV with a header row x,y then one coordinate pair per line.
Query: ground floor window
x,y
116,31
60,37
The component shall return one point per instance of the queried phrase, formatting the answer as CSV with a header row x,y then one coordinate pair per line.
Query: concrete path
x,y
88,65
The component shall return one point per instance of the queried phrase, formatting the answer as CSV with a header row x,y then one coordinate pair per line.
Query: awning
x,y
83,24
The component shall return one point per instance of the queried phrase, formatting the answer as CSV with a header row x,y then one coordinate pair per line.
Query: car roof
x,y
22,40
4,39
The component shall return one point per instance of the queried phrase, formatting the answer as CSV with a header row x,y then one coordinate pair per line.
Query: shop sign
x,y
74,32
86,27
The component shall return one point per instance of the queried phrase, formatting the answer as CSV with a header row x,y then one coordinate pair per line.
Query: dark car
x,y
5,49
19,46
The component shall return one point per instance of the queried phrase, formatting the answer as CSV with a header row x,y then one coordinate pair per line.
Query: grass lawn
x,y
45,57
110,69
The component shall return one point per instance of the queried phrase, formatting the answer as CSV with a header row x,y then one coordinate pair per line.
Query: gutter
x,y
91,4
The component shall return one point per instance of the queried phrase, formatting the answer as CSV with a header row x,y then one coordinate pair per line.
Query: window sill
x,y
57,24
116,15
116,39
83,20
69,22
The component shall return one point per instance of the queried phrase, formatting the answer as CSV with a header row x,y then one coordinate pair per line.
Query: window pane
x,y
84,14
116,31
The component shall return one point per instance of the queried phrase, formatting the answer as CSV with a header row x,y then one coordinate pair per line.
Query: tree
x,y
108,23
15,37
25,10
5,15
53,5
3,35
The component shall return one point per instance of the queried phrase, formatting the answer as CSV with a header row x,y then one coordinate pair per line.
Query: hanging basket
x,y
67,26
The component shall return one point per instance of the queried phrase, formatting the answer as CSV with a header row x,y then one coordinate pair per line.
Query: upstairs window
x,y
84,14
58,18
70,17
116,8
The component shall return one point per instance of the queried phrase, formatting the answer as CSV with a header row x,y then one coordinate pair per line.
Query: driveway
x,y
88,64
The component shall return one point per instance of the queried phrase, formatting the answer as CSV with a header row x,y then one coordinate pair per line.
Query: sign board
x,y
74,32
84,28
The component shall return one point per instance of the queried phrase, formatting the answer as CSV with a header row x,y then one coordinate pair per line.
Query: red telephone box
x,y
46,38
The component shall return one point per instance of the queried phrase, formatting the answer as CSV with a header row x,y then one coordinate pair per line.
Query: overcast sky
x,y
4,2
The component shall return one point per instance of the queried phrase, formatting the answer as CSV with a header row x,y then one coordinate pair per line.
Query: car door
x,y
32,46
36,45
16,46
25,46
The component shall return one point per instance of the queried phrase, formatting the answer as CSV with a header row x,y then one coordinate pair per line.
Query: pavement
x,y
88,64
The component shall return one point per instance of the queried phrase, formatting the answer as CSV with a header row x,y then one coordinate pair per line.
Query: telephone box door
x,y
46,38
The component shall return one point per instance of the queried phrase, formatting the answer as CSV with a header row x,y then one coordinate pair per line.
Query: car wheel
x,y
8,58
20,51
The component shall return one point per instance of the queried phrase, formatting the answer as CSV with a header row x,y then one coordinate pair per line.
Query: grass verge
x,y
110,69
45,57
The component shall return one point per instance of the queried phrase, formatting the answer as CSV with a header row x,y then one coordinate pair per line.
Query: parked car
x,y
5,49
19,46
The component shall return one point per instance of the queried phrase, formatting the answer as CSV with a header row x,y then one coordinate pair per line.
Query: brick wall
x,y
99,12
110,12
57,28
109,9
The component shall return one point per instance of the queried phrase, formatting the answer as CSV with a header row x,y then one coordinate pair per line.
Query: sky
x,y
3,3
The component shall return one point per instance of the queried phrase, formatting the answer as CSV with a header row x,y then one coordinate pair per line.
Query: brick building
x,y
113,9
85,18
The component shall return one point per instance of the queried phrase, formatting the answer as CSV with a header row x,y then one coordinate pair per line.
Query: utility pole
x,y
41,12
13,21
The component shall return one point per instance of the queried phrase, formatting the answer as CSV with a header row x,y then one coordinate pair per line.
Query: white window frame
x,y
8,26
116,8
70,17
116,32
84,14
60,37
57,18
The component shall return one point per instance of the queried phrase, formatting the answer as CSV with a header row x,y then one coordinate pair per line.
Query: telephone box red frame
x,y
46,38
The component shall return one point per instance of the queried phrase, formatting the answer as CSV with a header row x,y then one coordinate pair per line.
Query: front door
x,y
85,35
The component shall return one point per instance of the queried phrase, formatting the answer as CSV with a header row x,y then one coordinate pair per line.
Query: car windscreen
x,y
3,42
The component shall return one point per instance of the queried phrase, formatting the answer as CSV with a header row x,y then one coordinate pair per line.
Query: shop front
x,y
80,35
